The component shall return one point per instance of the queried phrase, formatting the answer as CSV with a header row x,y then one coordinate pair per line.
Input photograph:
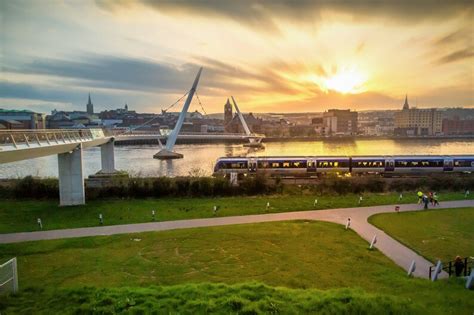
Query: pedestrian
x,y
425,201
420,196
430,196
101,219
458,266
435,199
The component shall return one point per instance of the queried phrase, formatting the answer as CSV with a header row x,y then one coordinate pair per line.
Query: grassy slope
x,y
20,216
249,298
436,234
291,254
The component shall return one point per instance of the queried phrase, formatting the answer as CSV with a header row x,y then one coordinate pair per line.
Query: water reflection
x,y
199,159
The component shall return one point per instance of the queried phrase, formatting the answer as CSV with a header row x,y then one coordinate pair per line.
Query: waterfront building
x,y
21,119
417,122
340,122
457,126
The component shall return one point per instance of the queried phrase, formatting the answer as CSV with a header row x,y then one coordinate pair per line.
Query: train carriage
x,y
367,164
317,165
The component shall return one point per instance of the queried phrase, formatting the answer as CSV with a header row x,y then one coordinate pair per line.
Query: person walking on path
x,y
425,201
420,196
458,266
435,199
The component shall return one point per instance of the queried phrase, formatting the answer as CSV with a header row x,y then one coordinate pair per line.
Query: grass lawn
x,y
435,234
296,255
20,216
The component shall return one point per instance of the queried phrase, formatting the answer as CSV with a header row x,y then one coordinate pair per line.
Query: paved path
x,y
397,252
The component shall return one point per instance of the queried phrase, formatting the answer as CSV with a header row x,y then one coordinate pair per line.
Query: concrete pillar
x,y
107,158
71,181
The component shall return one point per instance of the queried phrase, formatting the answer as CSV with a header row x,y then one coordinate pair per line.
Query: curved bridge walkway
x,y
397,252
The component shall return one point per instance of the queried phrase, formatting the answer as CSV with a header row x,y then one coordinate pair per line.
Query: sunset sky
x,y
272,56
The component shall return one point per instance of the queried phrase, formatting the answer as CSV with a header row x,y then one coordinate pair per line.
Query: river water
x,y
199,159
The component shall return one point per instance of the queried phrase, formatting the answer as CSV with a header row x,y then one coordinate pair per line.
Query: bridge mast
x,y
253,142
168,153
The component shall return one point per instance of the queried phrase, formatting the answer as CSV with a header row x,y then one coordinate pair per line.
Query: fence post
x,y
465,267
15,275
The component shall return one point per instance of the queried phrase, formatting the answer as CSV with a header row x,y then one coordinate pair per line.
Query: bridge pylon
x,y
167,153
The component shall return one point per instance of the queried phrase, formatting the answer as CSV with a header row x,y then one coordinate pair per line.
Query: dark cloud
x,y
454,37
131,74
457,55
262,15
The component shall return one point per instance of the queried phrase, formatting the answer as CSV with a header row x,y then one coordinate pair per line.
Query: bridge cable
x,y
202,107
158,116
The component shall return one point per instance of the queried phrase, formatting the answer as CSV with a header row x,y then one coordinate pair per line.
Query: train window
x,y
362,164
275,165
419,163
286,164
331,164
462,163
234,165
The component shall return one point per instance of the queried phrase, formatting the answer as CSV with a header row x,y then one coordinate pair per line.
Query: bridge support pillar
x,y
107,156
71,181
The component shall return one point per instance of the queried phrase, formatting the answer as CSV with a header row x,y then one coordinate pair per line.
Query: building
x,y
21,119
457,126
227,115
340,122
417,122
90,106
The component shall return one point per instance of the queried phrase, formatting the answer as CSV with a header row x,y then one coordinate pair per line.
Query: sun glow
x,y
346,81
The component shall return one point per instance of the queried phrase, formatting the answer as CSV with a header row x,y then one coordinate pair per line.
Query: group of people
x,y
432,198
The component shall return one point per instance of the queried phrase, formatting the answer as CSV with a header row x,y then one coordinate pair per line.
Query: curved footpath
x,y
397,252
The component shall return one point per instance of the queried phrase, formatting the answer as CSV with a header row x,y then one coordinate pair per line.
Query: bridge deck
x,y
17,145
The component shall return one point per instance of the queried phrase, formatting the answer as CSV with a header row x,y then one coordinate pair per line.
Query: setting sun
x,y
346,81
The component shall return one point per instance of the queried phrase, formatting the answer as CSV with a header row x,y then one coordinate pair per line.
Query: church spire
x,y
406,106
90,106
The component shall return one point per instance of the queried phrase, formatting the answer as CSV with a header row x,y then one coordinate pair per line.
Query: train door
x,y
252,165
311,165
389,165
448,164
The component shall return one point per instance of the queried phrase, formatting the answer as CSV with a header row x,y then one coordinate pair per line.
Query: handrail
x,y
39,137
450,269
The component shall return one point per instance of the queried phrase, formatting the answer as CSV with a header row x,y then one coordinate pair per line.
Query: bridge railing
x,y
157,132
48,136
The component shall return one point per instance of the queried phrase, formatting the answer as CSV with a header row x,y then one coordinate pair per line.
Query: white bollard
x,y
412,268
437,271
374,240
470,279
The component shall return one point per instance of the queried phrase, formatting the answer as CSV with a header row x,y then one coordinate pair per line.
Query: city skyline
x,y
274,57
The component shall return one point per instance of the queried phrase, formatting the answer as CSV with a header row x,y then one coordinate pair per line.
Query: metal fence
x,y
9,277
468,264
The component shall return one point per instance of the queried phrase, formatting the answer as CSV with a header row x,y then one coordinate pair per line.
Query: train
x,y
315,166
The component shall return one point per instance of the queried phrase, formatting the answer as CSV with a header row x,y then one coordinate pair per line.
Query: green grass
x,y
298,255
205,298
20,216
435,234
